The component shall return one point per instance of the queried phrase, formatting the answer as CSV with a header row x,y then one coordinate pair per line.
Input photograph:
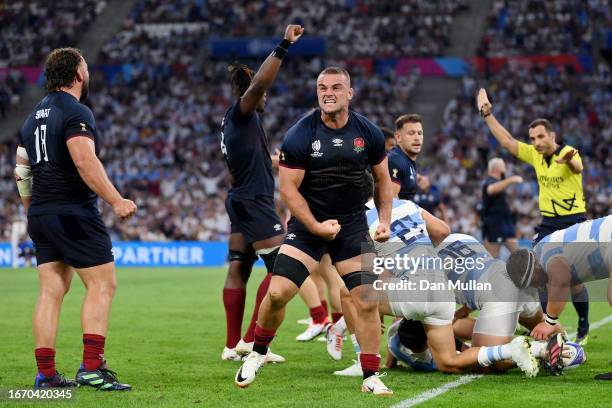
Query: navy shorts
x,y
352,240
498,229
255,219
81,242
552,224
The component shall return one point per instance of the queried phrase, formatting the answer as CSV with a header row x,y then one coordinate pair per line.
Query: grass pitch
x,y
167,332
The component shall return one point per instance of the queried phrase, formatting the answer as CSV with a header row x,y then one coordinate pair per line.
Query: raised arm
x,y
501,134
267,72
82,152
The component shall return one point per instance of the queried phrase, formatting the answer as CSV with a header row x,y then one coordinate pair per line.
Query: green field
x,y
167,332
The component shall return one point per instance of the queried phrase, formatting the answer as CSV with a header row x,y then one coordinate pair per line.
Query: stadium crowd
x,y
29,30
580,108
522,27
159,115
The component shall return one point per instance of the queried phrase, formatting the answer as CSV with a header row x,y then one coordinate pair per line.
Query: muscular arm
x,y
395,189
558,286
290,181
383,196
266,74
82,151
436,228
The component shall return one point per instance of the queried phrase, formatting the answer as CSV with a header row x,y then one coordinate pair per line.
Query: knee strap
x,y
247,258
291,269
269,257
354,279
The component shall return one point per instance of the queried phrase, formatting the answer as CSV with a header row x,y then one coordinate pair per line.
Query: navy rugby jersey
x,y
245,147
57,186
335,161
403,171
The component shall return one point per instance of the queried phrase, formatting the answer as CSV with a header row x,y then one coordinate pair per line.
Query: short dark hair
x,y
61,68
412,334
520,264
409,118
388,133
240,76
336,71
541,121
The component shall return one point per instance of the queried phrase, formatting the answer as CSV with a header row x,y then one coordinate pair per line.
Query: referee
x,y
558,169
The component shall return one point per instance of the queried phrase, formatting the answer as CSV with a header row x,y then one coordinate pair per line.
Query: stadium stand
x,y
159,102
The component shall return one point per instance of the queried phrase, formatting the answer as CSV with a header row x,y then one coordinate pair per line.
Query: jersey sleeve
x,y
237,115
396,171
79,122
526,153
295,148
376,151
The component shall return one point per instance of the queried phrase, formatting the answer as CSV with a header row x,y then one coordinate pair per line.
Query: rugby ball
x,y
573,355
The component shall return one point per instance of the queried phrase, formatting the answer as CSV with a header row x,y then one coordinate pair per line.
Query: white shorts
x,y
432,313
498,318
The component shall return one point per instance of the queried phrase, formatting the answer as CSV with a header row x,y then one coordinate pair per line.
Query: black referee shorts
x,y
81,242
552,224
352,240
498,229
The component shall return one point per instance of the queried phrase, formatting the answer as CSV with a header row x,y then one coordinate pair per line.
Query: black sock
x,y
581,304
543,294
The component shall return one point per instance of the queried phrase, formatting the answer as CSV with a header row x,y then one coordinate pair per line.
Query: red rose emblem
x,y
358,142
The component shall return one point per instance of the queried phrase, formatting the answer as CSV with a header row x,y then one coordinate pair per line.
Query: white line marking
x,y
464,379
434,392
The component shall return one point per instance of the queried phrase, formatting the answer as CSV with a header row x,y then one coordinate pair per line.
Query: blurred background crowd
x,y
159,116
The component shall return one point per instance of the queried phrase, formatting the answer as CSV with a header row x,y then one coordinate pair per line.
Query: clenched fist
x,y
293,32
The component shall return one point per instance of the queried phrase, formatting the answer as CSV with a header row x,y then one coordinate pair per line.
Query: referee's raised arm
x,y
501,134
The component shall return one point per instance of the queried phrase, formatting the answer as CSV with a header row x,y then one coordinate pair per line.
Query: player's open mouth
x,y
329,101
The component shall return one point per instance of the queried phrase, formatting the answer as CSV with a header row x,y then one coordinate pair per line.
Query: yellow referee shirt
x,y
560,188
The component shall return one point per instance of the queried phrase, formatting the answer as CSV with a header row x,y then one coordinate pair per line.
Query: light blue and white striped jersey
x,y
465,259
586,248
407,227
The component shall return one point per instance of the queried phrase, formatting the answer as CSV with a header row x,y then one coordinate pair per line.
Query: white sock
x,y
355,344
488,355
538,349
339,327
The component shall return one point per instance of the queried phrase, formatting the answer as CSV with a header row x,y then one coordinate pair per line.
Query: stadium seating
x,y
159,101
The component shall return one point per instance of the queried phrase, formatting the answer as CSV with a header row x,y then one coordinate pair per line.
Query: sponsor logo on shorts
x,y
316,146
277,227
290,236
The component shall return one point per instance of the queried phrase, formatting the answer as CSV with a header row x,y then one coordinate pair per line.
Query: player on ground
x,y
558,168
497,221
255,227
433,307
60,177
580,253
323,160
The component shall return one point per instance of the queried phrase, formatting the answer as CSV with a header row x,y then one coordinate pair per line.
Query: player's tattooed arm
x,y
501,134
267,72
558,287
383,198
290,181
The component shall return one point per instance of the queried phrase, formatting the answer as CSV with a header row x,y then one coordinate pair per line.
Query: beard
x,y
84,91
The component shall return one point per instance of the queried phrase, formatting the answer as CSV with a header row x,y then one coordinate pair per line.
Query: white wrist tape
x,y
23,175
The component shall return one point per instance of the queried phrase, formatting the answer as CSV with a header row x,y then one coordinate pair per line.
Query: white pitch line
x,y
464,379
434,392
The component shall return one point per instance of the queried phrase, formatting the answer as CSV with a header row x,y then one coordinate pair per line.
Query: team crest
x,y
358,144
316,146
